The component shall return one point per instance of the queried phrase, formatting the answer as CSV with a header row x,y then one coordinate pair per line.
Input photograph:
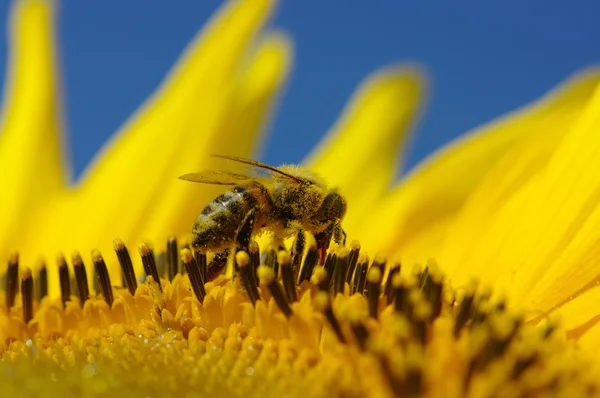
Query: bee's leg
x,y
244,234
323,239
339,235
217,265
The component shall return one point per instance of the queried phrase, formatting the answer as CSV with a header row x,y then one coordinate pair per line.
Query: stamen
x,y
193,271
297,252
421,316
81,278
254,254
361,273
340,270
330,262
400,293
388,284
12,279
266,275
310,260
27,295
380,262
320,279
181,266
172,258
103,277
352,260
242,259
269,258
63,276
149,263
287,276
323,304
465,310
126,265
374,290
42,282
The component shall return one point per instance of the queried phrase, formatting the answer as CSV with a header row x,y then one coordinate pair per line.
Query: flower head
x,y
291,320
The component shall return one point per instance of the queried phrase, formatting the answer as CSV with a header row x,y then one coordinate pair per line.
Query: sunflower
x,y
482,281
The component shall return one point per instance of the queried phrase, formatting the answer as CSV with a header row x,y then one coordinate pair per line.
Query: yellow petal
x,y
32,164
542,243
362,153
178,122
256,91
414,219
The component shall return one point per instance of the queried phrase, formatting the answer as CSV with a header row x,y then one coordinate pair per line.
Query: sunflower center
x,y
286,322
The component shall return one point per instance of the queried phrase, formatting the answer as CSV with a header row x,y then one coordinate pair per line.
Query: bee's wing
x,y
219,177
273,171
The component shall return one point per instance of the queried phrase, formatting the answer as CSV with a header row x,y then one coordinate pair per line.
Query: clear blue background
x,y
484,58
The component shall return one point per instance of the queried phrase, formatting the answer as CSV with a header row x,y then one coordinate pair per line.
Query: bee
x,y
286,200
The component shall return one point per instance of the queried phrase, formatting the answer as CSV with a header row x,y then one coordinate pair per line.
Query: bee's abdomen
x,y
218,223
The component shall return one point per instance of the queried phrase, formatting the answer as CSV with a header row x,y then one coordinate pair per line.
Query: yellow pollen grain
x,y
118,244
318,276
283,257
341,252
242,259
266,275
96,256
322,301
76,259
354,245
143,249
186,255
374,275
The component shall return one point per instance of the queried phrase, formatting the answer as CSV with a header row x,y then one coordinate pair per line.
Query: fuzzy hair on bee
x,y
288,199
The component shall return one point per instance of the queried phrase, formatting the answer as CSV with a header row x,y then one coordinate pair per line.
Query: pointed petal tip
x,y
274,59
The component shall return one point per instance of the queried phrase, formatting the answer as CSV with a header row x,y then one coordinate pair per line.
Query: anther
x,y
266,276
323,303
340,269
12,280
149,263
400,293
352,260
297,252
465,310
360,278
63,276
254,253
103,277
330,262
374,290
172,258
126,265
83,290
42,282
269,258
320,278
193,272
380,262
421,316
27,295
242,259
310,260
287,276
388,284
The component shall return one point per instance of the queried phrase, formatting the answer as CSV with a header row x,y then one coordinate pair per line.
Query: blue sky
x,y
483,58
